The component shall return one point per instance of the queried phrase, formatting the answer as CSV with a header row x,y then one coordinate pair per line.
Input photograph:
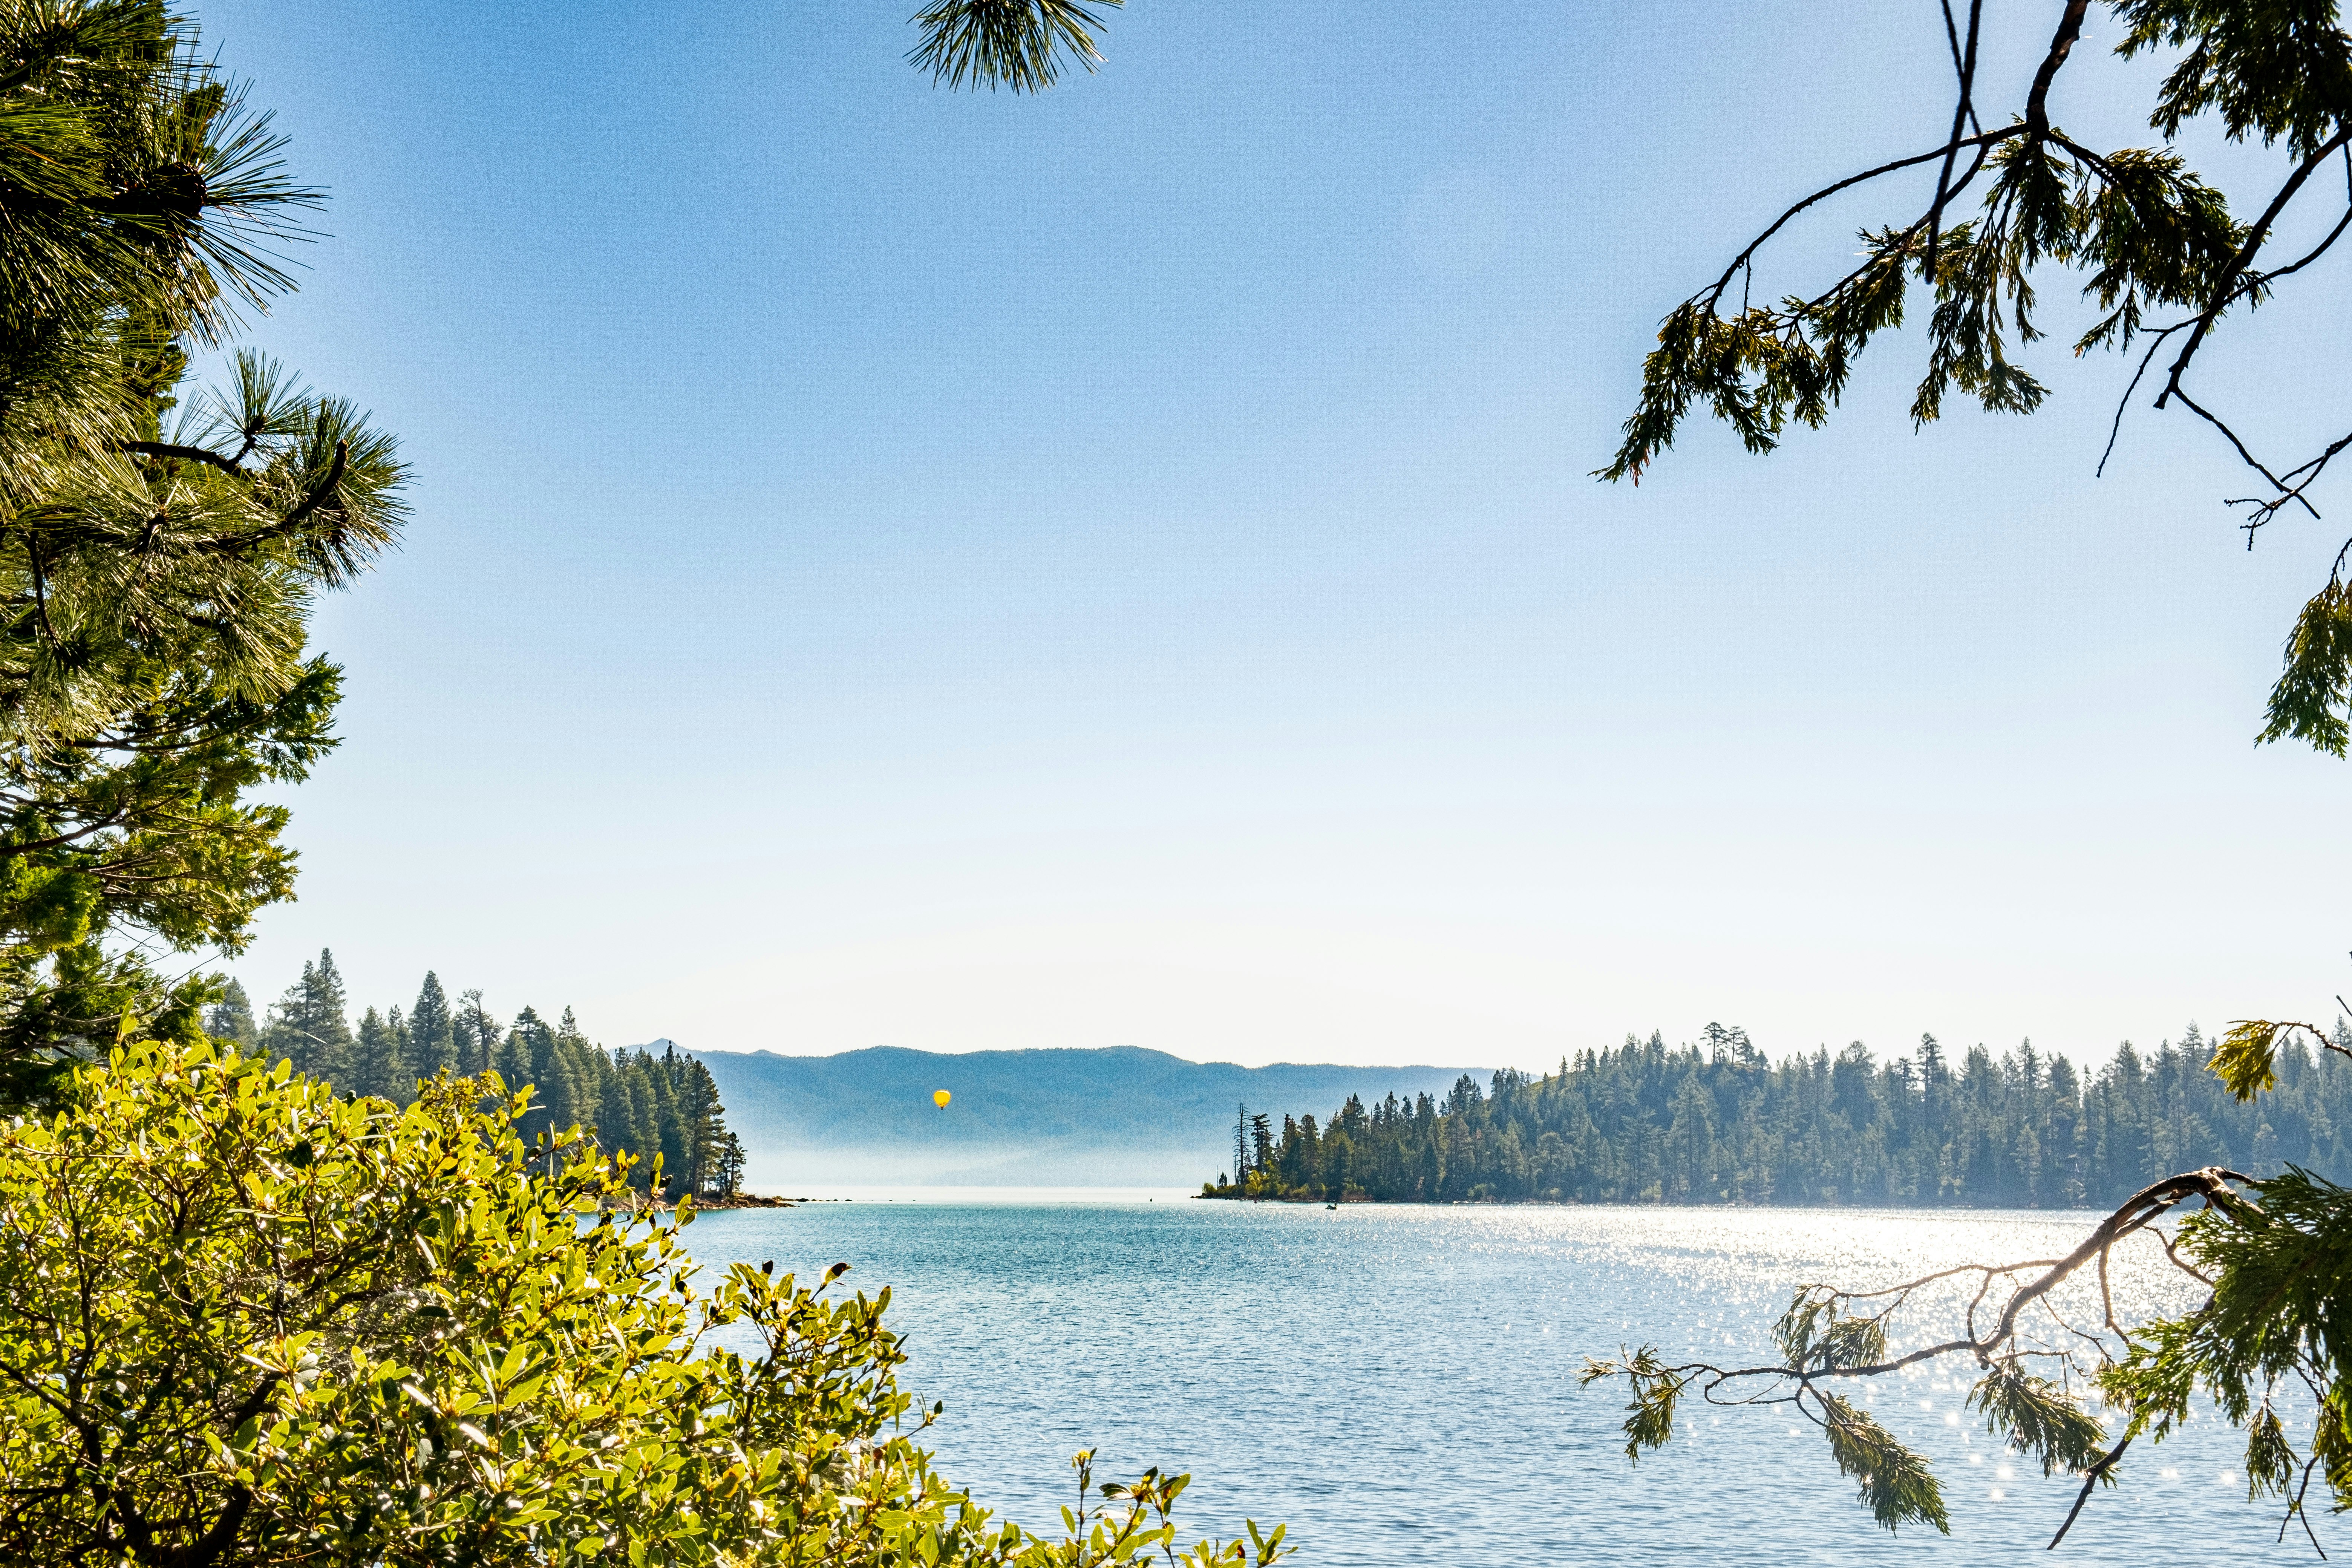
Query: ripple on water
x,y
1398,1382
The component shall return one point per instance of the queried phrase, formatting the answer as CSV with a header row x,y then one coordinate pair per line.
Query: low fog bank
x,y
783,1171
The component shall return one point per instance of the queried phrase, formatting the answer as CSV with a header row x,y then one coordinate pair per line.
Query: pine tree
x,y
728,1170
671,1122
643,1138
307,1024
168,541
705,1122
579,1061
608,1118
478,1035
510,1060
405,1053
327,1019
432,1040
2152,243
231,1018
376,1065
536,1055
286,1032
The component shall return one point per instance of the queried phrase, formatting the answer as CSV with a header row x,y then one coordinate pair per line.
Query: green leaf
x,y
2246,1057
1014,44
1895,1482
2039,1417
2308,701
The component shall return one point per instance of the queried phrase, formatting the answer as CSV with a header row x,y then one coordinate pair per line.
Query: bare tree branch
x,y
1962,113
184,454
2091,1477
2226,292
1714,295
2037,100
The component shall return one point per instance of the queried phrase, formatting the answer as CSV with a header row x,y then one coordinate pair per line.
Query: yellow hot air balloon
x,y
939,1098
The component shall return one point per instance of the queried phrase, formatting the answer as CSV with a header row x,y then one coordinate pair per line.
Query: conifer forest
x,y
1717,1122
626,1100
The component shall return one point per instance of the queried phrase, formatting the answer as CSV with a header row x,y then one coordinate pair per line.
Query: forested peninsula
x,y
626,1100
1718,1122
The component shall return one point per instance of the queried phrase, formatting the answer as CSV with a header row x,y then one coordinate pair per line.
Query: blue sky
x,y
969,572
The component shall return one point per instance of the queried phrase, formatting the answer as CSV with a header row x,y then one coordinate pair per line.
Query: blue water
x,y
1397,1383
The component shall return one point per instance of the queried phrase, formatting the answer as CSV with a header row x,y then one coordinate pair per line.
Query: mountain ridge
x,y
1108,1115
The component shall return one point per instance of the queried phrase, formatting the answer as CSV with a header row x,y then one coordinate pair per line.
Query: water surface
x,y
1398,1382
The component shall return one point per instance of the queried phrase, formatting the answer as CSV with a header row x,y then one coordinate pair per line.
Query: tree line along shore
x,y
627,1099
1718,1122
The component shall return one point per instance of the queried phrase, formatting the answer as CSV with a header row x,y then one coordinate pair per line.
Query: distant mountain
x,y
1115,1117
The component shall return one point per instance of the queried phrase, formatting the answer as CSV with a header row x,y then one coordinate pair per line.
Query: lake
x,y
1398,1382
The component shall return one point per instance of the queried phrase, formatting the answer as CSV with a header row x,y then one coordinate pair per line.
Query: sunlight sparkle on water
x,y
1329,1368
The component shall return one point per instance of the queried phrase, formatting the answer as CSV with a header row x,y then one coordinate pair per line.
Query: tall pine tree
x,y
432,1037
377,1067
478,1035
308,1025
231,1018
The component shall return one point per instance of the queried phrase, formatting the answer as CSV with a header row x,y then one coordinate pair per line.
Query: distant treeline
x,y
631,1101
1719,1122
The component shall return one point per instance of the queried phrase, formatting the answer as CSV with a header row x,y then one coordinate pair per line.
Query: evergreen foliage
x,y
627,1101
231,1018
476,1032
1014,44
1717,1122
308,1025
2266,1335
164,543
432,1040
379,1064
2155,249
2147,238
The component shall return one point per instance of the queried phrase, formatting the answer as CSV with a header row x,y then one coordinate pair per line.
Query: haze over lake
x,y
1113,1116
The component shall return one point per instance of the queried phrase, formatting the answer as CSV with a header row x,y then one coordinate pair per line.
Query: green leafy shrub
x,y
243,1321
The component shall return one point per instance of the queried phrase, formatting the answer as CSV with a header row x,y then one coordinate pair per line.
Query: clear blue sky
x,y
968,572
